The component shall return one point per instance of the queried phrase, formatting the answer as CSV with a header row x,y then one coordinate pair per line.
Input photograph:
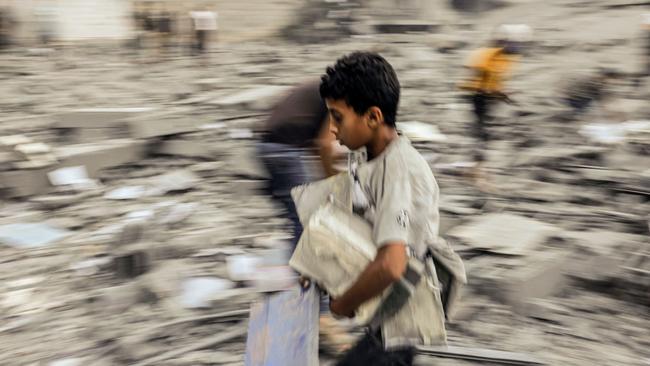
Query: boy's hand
x,y
304,282
338,308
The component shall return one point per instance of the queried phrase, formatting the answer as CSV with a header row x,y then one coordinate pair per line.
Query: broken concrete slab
x,y
56,201
504,233
179,180
35,162
261,97
97,156
208,169
97,117
30,235
85,135
538,276
172,213
189,148
163,124
94,157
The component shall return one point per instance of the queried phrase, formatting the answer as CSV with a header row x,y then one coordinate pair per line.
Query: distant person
x,y
205,25
5,28
490,67
295,131
165,24
46,23
645,26
138,25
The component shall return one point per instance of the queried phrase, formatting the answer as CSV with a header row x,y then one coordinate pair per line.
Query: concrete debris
x,y
230,334
481,355
242,267
180,180
98,117
197,292
188,148
75,176
504,233
126,193
68,362
91,266
173,213
266,272
98,156
614,133
240,133
420,132
556,253
30,235
538,276
258,98
9,143
157,125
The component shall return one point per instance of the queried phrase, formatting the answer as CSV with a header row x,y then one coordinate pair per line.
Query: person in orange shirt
x,y
489,67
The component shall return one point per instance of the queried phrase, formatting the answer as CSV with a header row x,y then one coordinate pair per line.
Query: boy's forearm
x,y
386,269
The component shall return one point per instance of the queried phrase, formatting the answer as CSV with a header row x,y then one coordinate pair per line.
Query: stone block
x,y
97,117
539,276
261,97
97,156
188,148
163,124
504,233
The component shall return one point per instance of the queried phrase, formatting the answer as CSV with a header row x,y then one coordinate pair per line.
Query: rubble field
x,y
135,230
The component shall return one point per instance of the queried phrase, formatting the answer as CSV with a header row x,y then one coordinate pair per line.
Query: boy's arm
x,y
388,267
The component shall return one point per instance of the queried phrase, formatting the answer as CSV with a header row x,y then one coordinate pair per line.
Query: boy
x,y
398,194
295,130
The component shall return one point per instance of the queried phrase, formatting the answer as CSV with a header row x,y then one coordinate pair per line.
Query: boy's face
x,y
350,128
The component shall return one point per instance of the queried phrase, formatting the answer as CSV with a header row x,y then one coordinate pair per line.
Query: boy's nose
x,y
333,129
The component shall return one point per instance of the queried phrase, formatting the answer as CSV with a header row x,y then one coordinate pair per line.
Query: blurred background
x,y
136,224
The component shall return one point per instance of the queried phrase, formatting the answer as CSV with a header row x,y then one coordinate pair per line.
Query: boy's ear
x,y
375,117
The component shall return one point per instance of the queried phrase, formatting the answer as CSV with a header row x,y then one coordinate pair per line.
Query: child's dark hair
x,y
363,80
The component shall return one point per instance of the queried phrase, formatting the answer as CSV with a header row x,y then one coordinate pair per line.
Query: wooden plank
x,y
283,330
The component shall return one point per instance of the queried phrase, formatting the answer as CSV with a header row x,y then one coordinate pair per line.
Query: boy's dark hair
x,y
363,80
